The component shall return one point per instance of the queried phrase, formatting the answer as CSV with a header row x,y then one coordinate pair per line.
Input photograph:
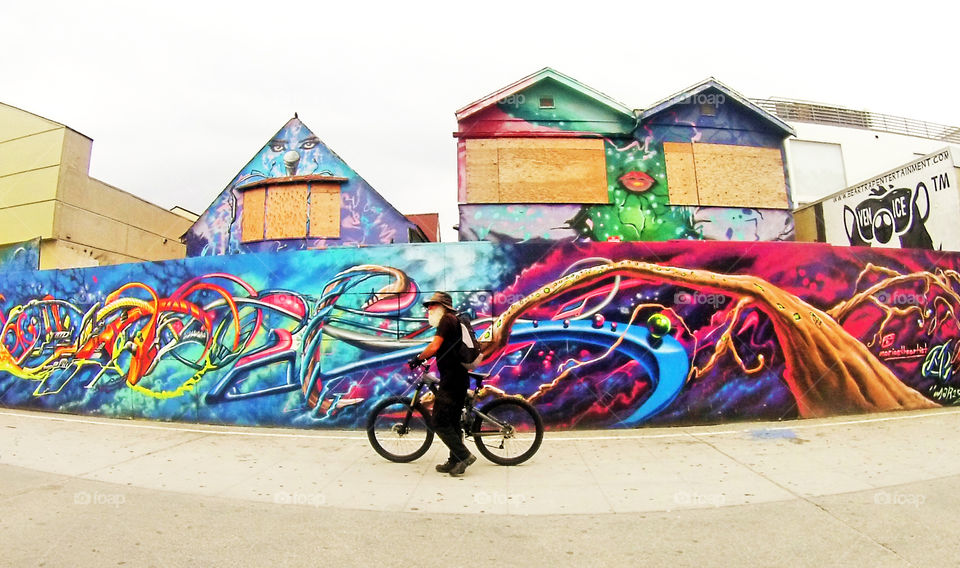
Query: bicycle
x,y
506,430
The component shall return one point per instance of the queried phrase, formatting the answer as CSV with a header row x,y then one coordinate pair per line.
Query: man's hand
x,y
415,362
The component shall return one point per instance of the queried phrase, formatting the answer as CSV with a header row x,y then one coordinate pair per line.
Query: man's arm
x,y
431,349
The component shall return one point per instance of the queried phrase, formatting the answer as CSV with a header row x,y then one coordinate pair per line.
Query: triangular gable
x,y
293,151
711,83
534,78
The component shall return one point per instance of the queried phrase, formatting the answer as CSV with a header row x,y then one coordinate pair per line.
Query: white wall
x,y
866,153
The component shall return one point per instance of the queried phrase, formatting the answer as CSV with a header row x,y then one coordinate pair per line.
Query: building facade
x,y
46,192
836,148
296,194
549,158
914,205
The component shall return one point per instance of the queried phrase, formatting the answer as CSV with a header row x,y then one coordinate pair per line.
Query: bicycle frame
x,y
429,380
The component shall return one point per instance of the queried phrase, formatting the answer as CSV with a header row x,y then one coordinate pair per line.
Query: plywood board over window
x,y
724,175
740,176
251,224
286,216
681,173
325,210
483,174
536,170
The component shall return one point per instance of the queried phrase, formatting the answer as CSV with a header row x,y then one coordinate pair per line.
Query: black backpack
x,y
469,348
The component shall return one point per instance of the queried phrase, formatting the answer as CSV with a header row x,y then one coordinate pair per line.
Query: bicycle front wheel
x,y
512,434
399,431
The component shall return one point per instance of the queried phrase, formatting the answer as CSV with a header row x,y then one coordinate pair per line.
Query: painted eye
x,y
277,146
309,143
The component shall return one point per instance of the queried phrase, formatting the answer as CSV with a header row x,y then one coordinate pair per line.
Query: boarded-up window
x,y
681,173
536,170
725,175
286,215
251,224
325,210
291,208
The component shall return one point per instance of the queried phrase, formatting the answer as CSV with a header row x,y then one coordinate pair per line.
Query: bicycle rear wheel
x,y
399,431
517,436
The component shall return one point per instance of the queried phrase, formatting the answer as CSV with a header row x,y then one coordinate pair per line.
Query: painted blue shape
x,y
665,360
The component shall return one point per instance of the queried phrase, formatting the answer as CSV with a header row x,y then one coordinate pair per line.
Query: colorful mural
x,y
528,222
20,256
638,207
594,334
365,216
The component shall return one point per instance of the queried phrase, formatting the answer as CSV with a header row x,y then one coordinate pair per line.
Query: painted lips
x,y
637,181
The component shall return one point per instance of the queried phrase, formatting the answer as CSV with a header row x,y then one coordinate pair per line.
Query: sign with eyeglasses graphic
x,y
914,206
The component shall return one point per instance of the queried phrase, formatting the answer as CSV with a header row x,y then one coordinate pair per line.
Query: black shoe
x,y
446,467
461,466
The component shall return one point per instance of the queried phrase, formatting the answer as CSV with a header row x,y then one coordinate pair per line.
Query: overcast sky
x,y
178,96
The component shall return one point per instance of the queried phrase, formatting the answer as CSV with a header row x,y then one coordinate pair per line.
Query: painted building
x,y
46,192
550,158
296,194
838,147
915,205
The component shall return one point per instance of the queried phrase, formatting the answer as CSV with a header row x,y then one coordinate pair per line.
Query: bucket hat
x,y
441,298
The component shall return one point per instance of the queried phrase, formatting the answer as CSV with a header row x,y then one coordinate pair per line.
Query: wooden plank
x,y
553,170
286,212
805,224
325,210
681,173
550,142
251,224
482,171
740,176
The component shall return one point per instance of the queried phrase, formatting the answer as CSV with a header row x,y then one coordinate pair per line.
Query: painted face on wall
x,y
294,151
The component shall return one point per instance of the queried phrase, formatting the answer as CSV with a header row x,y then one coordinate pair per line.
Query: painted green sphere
x,y
659,325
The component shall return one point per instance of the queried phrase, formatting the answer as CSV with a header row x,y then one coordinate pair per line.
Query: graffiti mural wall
x,y
365,217
20,256
600,335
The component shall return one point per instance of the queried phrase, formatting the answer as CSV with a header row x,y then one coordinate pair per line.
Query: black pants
x,y
447,409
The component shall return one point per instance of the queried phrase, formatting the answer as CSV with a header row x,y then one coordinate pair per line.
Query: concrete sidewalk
x,y
878,490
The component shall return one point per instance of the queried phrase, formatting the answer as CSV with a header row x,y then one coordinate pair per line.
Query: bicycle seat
x,y
478,378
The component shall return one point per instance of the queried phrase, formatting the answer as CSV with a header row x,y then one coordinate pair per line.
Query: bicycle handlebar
x,y
422,373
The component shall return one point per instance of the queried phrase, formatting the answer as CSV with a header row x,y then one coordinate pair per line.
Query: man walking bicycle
x,y
454,381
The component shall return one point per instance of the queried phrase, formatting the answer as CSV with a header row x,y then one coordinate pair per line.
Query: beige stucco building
x,y
46,192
